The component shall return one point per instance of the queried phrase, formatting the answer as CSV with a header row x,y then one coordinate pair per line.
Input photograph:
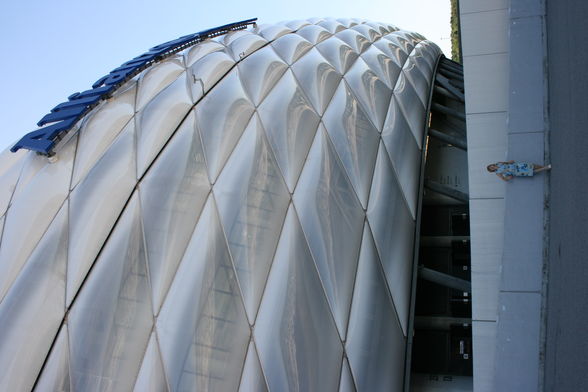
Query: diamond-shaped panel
x,y
370,91
317,78
202,328
27,219
393,229
99,199
41,285
296,337
375,345
221,117
411,106
260,72
404,153
291,47
332,219
355,138
158,77
110,320
159,119
290,122
101,129
339,54
252,201
172,196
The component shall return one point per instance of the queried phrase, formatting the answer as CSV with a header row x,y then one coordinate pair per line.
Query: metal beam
x,y
441,241
446,125
454,141
439,323
448,111
452,75
444,279
455,70
450,63
447,191
446,93
444,82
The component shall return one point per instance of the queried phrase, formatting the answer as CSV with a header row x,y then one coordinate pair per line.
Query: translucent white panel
x,y
298,344
338,54
101,128
10,169
32,211
314,34
252,201
392,28
32,310
331,25
291,47
252,378
383,29
290,123
417,79
207,71
221,117
272,32
244,46
317,78
200,50
375,344
260,72
110,321
346,384
355,138
158,77
430,53
370,90
367,31
297,24
55,376
95,205
172,195
404,153
315,20
32,164
411,106
202,328
392,51
382,65
393,229
422,61
230,37
332,219
347,22
355,40
151,376
400,42
159,119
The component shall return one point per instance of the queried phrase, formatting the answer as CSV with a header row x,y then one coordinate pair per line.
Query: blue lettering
x,y
66,114
43,140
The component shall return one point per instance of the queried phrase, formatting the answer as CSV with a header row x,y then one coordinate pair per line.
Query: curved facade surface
x,y
238,216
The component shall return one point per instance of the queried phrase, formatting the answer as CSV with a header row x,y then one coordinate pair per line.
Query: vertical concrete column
x,y
484,29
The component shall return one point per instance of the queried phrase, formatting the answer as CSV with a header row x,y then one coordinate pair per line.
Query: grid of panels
x,y
239,216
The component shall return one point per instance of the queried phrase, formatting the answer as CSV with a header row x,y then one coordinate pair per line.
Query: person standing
x,y
506,171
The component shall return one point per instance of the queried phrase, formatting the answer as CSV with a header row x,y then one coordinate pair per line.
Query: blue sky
x,y
51,49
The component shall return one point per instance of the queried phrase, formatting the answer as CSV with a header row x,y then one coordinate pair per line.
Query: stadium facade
x,y
239,211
